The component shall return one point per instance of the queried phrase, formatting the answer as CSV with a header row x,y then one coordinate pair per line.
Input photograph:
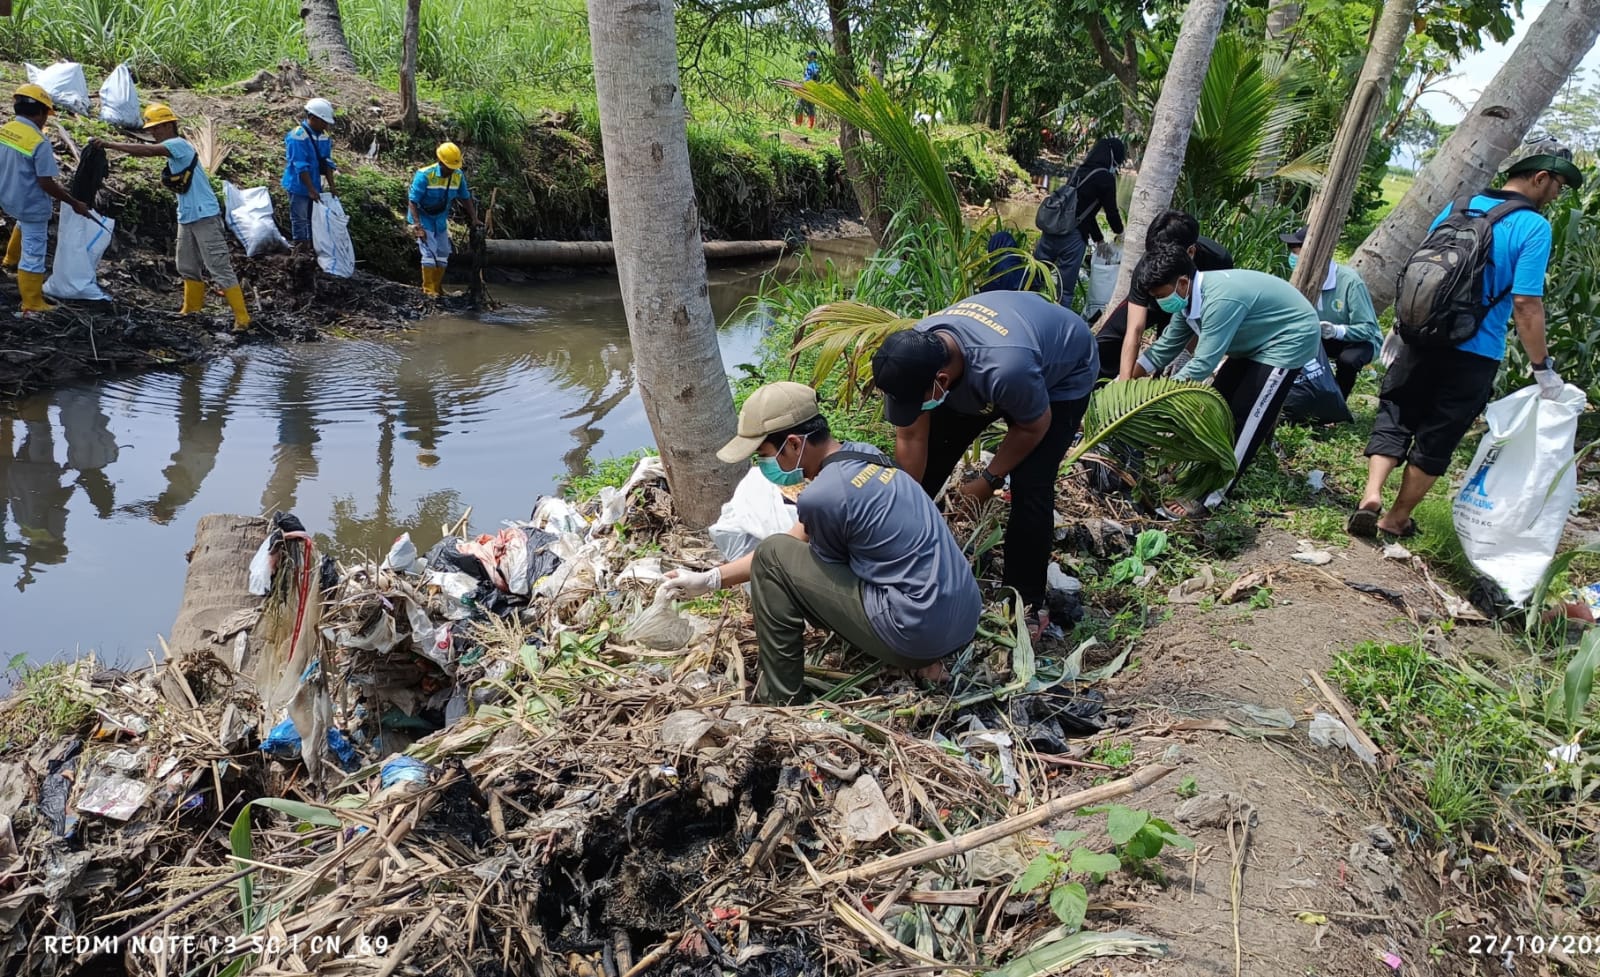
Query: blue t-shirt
x,y
813,71
434,194
1022,352
305,152
916,586
1518,257
25,156
200,200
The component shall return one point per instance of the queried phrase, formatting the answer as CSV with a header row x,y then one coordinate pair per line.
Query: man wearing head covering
x,y
1012,356
28,182
308,160
1431,396
870,559
434,190
803,108
202,243
1095,180
1350,333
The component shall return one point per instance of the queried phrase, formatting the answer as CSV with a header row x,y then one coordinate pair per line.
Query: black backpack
x,y
1058,214
1439,301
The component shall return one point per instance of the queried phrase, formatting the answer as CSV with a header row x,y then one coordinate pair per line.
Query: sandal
x,y
1363,523
1406,533
1183,509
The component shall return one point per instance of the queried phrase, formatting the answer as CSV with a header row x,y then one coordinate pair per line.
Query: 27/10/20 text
x,y
1497,945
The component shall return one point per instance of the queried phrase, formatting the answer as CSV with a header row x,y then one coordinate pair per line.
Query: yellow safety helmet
x,y
36,93
449,154
158,114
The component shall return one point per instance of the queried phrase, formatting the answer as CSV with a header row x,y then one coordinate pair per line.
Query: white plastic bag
x,y
330,235
65,82
119,99
1103,269
80,243
249,217
756,511
1520,487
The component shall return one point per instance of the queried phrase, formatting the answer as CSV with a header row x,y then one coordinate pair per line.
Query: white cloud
x,y
1474,72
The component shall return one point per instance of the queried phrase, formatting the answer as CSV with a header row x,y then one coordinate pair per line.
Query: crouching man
x,y
871,558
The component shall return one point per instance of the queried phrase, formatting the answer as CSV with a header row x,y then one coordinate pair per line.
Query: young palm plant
x,y
936,259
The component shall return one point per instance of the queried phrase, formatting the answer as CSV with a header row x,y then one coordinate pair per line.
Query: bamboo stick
x,y
961,844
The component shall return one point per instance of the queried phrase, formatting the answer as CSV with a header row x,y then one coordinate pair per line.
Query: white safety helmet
x,y
321,108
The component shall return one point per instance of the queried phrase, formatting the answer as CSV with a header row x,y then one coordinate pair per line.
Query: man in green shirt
x,y
1350,333
1265,328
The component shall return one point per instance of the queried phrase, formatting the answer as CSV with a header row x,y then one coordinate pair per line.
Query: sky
x,y
1474,72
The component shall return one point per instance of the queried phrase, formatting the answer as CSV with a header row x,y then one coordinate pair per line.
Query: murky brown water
x,y
101,484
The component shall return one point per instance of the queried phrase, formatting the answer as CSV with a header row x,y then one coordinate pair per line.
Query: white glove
x,y
684,584
1550,383
1332,331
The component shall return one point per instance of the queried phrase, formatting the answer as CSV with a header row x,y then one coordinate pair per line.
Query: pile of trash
x,y
504,757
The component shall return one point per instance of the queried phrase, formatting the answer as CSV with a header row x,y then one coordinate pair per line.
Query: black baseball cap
x,y
1295,240
903,369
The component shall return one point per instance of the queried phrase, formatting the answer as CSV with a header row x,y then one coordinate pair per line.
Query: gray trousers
x,y
203,250
791,587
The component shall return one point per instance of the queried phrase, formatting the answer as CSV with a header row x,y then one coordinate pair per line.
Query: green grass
x,y
605,473
1395,186
53,703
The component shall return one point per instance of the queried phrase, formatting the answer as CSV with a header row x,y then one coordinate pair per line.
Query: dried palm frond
x,y
208,144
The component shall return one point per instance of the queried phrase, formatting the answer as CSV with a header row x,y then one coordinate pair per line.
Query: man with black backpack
x,y
1481,267
870,559
202,243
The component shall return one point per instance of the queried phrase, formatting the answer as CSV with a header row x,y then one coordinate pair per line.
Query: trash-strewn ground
x,y
601,801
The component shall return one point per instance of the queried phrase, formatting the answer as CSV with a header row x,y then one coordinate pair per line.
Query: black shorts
x,y
1427,403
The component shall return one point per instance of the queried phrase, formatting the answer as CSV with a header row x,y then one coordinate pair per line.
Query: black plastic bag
x,y
1315,395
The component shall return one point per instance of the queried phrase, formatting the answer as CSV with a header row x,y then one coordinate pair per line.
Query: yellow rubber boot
x,y
194,297
31,285
241,315
427,280
13,251
431,278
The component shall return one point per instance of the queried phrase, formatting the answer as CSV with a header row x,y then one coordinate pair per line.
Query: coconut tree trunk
x,y
408,65
1124,67
1331,203
655,228
1169,130
324,33
868,193
1524,87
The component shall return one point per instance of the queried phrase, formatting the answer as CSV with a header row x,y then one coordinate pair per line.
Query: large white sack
x,y
80,243
119,99
1103,270
65,82
1520,487
330,235
248,214
756,511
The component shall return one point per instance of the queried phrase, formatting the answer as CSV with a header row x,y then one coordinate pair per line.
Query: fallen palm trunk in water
x,y
601,253
601,808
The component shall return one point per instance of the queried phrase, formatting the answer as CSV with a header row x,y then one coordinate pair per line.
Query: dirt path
x,y
1308,849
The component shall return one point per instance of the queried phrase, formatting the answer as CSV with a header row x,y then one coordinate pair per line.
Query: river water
x,y
102,483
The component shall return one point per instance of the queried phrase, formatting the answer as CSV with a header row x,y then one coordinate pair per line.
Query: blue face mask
x,y
776,475
1294,259
935,402
1172,304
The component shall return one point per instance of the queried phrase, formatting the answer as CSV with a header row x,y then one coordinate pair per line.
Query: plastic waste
x,y
80,244
330,236
1103,270
1520,486
249,217
119,99
1328,732
65,82
112,795
660,626
614,501
284,743
558,516
57,788
261,568
402,555
404,770
1315,394
756,511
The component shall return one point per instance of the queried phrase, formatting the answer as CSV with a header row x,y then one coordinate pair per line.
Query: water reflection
x,y
363,440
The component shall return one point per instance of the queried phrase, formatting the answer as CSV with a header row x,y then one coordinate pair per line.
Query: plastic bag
x,y
65,82
660,627
1315,395
756,511
402,555
1103,270
330,235
80,243
249,217
558,516
1520,487
614,501
119,99
261,568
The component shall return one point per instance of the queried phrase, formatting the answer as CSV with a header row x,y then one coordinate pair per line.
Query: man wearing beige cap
x,y
870,559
